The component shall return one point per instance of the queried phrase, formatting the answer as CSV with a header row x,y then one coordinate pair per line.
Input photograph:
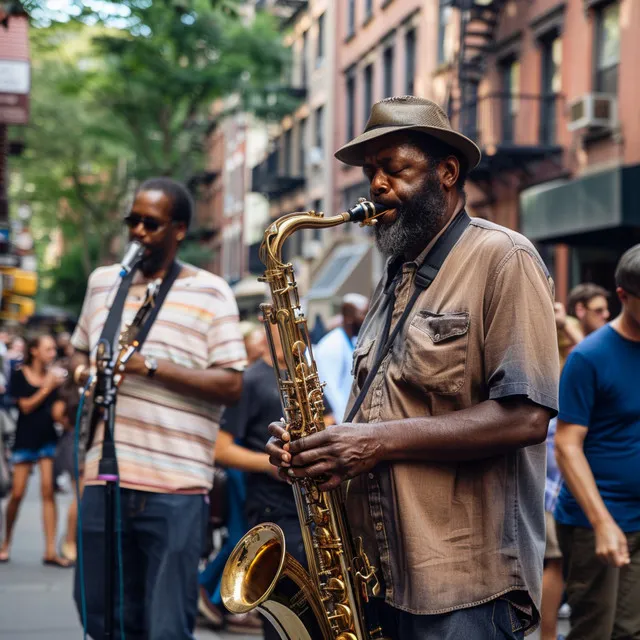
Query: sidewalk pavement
x,y
36,601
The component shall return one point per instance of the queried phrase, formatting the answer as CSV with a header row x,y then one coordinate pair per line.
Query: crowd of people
x,y
448,380
37,417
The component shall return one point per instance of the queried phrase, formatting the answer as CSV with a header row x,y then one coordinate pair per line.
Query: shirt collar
x,y
394,265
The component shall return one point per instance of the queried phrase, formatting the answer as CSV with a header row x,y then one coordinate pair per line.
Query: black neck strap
x,y
169,278
425,275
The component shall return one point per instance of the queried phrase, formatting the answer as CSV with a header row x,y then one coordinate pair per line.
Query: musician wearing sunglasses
x,y
167,417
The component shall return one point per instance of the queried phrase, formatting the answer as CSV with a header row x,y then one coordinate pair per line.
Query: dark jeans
x,y
495,620
162,537
604,600
211,575
287,520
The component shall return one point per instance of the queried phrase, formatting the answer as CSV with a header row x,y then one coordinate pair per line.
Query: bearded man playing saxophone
x,y
444,463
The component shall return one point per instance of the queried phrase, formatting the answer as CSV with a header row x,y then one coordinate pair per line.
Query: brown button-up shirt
x,y
449,535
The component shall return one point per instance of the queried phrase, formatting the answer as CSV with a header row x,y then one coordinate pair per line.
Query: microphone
x,y
132,256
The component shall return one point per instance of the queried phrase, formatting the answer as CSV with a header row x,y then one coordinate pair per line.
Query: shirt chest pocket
x,y
434,357
361,362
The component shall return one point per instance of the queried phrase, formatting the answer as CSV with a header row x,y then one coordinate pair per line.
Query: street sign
x,y
15,82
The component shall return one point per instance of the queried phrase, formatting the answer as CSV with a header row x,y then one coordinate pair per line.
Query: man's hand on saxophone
x,y
336,454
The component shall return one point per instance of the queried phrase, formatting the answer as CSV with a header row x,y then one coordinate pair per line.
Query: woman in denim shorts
x,y
34,387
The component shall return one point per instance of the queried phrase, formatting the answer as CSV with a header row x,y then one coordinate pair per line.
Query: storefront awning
x,y
579,211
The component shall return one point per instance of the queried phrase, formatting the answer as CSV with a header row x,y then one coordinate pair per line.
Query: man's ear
x,y
449,172
580,310
182,231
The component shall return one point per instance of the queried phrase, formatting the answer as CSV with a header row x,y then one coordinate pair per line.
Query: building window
x,y
287,152
607,48
302,145
551,79
510,72
368,91
443,22
319,128
351,100
351,18
387,66
320,42
410,60
305,45
317,232
368,9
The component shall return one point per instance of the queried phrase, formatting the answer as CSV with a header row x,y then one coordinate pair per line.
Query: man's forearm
x,y
214,384
243,459
488,429
579,478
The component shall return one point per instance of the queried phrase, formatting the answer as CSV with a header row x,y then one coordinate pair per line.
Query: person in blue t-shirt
x,y
334,353
598,451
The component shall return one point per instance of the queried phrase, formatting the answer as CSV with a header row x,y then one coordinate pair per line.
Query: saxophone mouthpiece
x,y
366,212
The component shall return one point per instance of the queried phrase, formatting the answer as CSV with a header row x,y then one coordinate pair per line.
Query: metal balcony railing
x,y
505,120
268,178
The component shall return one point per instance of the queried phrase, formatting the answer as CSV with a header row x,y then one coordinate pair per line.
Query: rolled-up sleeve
x,y
81,340
521,348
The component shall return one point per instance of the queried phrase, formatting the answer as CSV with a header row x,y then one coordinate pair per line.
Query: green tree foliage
x,y
119,100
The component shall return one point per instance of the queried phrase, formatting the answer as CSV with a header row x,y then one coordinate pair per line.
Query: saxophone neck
x,y
364,212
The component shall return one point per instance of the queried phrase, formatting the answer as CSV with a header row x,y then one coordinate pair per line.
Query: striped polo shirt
x,y
165,438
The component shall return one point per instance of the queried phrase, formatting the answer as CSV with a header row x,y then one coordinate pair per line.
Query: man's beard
x,y
152,263
418,222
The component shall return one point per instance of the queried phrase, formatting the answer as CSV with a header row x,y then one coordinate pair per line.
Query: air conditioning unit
x,y
315,157
591,111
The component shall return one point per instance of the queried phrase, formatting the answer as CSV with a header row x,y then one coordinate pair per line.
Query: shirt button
x,y
371,476
379,526
437,336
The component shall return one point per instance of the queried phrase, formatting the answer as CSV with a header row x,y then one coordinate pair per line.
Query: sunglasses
x,y
150,224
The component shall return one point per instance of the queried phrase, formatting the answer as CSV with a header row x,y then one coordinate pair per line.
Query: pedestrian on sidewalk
x,y
598,452
34,386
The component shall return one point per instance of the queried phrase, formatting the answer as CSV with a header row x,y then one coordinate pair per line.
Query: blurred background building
x,y
18,278
546,87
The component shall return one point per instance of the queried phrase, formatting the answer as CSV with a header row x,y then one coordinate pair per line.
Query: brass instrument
x,y
327,602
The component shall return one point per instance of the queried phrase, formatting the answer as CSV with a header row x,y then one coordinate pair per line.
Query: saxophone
x,y
327,602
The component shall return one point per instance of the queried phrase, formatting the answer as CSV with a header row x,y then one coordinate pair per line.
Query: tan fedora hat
x,y
408,113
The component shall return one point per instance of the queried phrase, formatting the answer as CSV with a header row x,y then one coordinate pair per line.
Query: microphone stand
x,y
105,398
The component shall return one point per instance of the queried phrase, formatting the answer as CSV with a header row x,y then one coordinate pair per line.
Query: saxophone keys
x,y
335,586
342,613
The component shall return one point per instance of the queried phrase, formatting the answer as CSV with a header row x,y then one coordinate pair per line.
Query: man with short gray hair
x,y
598,451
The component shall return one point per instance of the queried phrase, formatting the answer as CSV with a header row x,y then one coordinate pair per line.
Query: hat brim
x,y
353,152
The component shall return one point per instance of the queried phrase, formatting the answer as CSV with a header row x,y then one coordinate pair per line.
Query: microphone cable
x,y
81,581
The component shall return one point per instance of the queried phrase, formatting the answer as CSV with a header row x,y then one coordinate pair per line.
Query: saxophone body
x,y
327,602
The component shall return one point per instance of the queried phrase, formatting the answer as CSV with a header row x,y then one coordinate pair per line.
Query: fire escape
x,y
515,131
